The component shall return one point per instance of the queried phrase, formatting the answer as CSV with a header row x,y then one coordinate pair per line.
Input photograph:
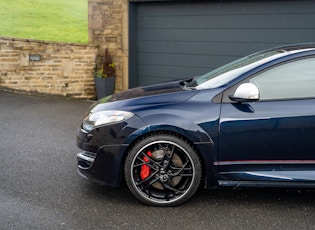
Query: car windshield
x,y
227,73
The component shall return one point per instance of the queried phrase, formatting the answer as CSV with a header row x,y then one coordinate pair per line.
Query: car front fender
x,y
191,132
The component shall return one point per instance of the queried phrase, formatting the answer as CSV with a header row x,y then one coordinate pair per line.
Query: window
x,y
293,80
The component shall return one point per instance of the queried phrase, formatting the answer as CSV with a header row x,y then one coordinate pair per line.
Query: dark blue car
x,y
250,123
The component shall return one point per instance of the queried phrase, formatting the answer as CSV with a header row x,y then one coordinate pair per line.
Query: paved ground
x,y
40,188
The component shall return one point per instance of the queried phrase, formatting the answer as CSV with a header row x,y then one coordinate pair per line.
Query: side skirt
x,y
273,184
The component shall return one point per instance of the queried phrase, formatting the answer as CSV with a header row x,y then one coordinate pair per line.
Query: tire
x,y
162,170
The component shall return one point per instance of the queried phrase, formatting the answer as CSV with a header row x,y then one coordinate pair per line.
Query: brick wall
x,y
64,69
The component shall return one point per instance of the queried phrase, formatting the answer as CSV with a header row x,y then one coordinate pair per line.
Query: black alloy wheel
x,y
163,170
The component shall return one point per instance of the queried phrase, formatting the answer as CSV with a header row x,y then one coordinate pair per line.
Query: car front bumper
x,y
101,165
104,149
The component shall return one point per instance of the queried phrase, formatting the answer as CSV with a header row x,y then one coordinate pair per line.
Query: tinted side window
x,y
292,80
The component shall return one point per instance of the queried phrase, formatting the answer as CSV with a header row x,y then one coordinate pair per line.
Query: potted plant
x,y
104,76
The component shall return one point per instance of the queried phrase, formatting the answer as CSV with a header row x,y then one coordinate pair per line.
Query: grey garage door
x,y
175,41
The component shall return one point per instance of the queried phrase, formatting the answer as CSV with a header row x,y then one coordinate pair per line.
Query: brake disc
x,y
158,155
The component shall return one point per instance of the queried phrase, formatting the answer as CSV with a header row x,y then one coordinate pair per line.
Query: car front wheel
x,y
163,170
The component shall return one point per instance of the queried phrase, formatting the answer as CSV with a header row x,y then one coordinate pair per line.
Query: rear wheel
x,y
162,170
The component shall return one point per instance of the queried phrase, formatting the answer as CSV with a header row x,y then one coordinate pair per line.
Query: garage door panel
x,y
277,21
149,80
174,60
191,61
163,72
155,74
224,35
175,39
201,48
236,8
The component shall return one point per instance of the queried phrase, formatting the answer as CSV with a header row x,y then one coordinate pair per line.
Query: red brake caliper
x,y
145,170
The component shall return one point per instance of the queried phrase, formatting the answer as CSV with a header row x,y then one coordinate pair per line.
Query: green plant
x,y
107,67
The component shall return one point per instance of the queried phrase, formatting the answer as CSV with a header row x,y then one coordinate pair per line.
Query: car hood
x,y
163,88
164,93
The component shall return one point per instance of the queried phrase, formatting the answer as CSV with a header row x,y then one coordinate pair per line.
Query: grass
x,y
50,20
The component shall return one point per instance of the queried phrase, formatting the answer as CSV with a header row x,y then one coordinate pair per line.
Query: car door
x,y
273,139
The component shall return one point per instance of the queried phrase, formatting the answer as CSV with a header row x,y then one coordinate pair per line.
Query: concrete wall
x,y
63,69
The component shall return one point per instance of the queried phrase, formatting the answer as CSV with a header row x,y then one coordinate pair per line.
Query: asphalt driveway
x,y
40,187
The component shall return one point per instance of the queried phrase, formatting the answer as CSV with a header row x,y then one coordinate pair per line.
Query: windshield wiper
x,y
187,84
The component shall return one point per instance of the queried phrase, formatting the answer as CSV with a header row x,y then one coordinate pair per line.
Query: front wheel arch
x,y
171,132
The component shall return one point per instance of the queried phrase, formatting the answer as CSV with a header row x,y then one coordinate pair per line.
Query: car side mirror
x,y
246,92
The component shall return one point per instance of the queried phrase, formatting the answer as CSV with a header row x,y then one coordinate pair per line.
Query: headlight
x,y
104,118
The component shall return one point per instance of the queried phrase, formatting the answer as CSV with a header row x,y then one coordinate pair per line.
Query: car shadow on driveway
x,y
204,197
221,209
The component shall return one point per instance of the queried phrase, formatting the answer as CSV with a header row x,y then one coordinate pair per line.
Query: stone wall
x,y
67,69
63,69
108,28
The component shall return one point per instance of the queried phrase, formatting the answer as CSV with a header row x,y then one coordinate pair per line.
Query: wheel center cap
x,y
164,178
